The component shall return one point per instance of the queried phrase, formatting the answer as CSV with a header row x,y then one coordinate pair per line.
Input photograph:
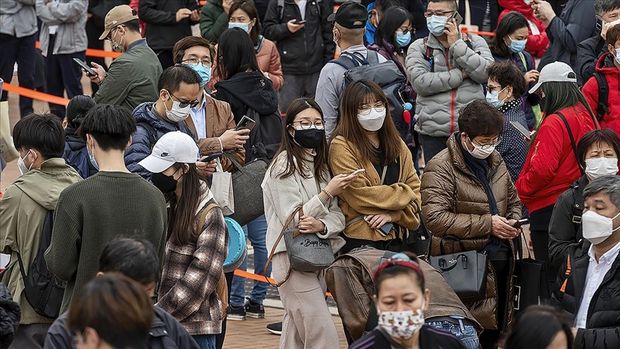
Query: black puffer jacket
x,y
565,226
307,50
76,155
588,52
603,318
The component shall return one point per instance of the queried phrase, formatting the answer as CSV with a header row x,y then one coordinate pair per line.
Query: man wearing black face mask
x,y
111,203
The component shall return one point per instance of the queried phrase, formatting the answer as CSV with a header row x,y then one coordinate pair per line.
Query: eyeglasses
x,y
306,125
184,104
367,108
438,13
205,62
494,143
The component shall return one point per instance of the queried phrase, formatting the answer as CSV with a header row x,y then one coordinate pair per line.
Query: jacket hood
x,y
254,90
145,113
605,64
45,185
74,141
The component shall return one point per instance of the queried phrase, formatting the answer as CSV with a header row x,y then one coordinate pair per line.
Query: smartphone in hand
x,y
212,157
89,71
386,229
245,123
521,222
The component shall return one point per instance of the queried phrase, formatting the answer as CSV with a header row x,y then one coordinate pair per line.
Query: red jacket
x,y
590,90
536,44
551,166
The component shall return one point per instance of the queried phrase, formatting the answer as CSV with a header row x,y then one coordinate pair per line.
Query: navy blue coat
x,y
150,128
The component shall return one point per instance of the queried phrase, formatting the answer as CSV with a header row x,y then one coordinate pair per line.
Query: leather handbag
x,y
247,190
237,247
306,252
465,271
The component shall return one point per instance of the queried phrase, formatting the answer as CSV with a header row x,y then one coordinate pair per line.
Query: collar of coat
x,y
458,159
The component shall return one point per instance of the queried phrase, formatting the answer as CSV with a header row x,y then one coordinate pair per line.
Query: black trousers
x,y
165,58
62,74
539,227
20,51
431,146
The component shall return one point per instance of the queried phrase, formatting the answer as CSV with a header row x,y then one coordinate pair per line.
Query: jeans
x,y
256,231
457,326
20,50
206,341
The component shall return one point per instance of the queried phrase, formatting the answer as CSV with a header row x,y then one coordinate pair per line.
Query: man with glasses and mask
x,y
447,70
132,77
590,277
179,92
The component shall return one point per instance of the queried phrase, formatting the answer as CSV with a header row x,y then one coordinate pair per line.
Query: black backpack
x,y
386,75
42,289
265,137
603,95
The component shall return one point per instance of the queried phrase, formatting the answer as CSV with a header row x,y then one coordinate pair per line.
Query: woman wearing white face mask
x,y
598,153
402,298
383,202
467,194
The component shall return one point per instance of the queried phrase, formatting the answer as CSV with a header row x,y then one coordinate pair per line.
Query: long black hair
x,y
560,95
235,53
294,152
512,22
392,19
182,211
537,327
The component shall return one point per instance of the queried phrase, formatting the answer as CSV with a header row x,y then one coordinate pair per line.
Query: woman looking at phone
x,y
382,204
299,176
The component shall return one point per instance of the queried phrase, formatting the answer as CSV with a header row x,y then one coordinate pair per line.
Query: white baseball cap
x,y
557,72
171,148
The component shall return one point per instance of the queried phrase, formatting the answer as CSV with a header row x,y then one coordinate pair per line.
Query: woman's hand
x,y
502,228
309,225
376,221
531,76
339,183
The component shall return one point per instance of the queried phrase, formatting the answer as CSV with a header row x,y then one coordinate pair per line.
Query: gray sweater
x,y
91,213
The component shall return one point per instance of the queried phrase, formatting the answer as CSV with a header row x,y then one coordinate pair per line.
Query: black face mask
x,y
310,138
164,183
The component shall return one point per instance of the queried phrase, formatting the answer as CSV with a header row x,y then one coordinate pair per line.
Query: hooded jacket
x,y
537,40
605,66
446,81
455,203
76,154
248,89
307,50
22,213
150,128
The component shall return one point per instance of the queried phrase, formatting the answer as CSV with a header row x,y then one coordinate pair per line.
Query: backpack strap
x,y
577,206
350,60
572,138
202,215
428,54
603,96
372,57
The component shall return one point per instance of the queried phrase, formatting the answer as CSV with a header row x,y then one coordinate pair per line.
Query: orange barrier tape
x,y
92,52
261,278
40,96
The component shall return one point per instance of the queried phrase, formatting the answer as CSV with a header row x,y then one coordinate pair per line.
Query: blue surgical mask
x,y
403,39
204,72
244,26
436,24
618,55
92,159
493,98
517,46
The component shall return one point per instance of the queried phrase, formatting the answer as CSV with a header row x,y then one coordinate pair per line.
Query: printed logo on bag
x,y
310,243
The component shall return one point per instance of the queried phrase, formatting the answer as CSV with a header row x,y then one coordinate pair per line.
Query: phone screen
x,y
245,123
522,130
85,66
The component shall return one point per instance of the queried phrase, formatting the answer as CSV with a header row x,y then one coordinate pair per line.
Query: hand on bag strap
x,y
300,211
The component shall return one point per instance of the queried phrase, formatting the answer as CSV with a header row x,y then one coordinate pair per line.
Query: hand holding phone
x,y
245,123
521,222
358,171
89,71
212,157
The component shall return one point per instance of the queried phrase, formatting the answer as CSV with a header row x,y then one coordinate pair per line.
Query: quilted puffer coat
x,y
455,203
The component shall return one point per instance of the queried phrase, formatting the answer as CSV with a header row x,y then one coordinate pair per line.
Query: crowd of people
x,y
453,137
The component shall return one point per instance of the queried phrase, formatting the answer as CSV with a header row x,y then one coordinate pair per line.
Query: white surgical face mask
x,y
401,324
601,166
480,152
597,228
176,113
374,120
21,164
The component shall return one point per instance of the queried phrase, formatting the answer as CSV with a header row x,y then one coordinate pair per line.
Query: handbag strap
x,y
572,138
298,210
384,174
